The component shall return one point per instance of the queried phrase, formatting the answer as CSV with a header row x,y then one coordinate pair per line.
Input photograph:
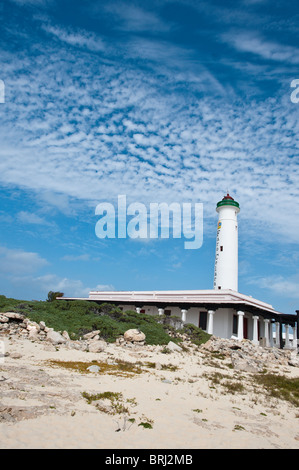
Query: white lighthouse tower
x,y
226,259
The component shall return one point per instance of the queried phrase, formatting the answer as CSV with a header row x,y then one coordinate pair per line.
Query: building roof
x,y
209,299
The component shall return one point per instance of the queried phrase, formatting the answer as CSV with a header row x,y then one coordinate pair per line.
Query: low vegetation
x,y
79,317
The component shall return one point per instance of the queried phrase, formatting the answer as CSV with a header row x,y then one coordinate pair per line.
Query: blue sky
x,y
160,101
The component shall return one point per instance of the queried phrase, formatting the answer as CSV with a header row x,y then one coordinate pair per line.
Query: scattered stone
x,y
93,368
55,338
33,334
173,346
13,316
134,336
66,335
92,335
15,355
97,346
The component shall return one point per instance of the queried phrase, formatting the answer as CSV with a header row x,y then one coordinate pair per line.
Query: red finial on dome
x,y
227,197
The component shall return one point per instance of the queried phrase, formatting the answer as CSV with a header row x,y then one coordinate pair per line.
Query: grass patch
x,y
115,406
230,384
195,334
121,368
279,386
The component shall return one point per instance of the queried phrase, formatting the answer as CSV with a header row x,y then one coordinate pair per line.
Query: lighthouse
x,y
226,258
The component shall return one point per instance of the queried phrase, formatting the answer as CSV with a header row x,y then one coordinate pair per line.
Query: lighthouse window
x,y
221,248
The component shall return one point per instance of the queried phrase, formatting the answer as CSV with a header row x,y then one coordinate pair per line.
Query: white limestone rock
x,y
97,346
134,335
173,346
55,338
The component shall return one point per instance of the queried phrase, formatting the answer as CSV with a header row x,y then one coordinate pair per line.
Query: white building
x,y
222,311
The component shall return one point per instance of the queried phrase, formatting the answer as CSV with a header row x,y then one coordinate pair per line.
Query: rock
x,y
66,335
173,346
55,338
92,335
245,365
42,325
97,346
31,325
15,355
93,369
134,335
33,334
3,319
13,316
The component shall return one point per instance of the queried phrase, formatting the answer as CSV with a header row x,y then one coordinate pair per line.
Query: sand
x,y
42,407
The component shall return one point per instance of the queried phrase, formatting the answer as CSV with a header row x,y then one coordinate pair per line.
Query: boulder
x,y
92,335
93,368
33,334
55,338
13,316
97,346
173,346
134,335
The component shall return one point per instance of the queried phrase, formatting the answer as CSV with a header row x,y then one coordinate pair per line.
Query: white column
x,y
270,334
295,336
287,341
184,313
255,339
138,309
160,311
266,324
277,338
210,321
240,325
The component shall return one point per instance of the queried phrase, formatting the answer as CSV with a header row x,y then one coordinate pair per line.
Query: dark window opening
x,y
235,324
221,248
203,320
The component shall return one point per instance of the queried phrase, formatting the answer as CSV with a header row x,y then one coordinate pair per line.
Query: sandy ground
x,y
41,405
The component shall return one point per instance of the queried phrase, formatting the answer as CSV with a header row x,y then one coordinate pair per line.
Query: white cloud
x,y
85,257
31,218
52,282
255,44
16,261
79,38
288,287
